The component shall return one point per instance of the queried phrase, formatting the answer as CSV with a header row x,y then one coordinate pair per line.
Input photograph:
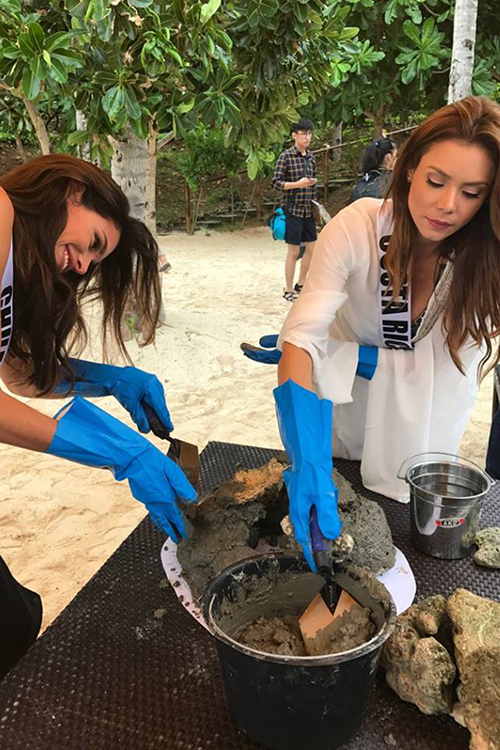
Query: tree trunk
x,y
462,56
39,125
20,148
150,215
378,117
258,199
129,169
337,140
326,173
187,209
81,124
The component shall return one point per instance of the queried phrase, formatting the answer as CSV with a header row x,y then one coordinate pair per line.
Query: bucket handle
x,y
403,469
409,462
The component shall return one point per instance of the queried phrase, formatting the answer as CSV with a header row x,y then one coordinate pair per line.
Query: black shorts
x,y
20,619
299,229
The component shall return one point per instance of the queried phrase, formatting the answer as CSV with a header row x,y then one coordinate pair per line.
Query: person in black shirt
x,y
378,161
295,176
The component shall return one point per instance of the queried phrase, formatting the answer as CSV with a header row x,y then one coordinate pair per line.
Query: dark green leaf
x,y
67,57
79,137
31,84
59,39
411,31
105,78
58,71
36,35
26,45
38,68
131,104
112,102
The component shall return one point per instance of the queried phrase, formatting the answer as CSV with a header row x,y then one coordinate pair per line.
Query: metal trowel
x,y
185,455
332,601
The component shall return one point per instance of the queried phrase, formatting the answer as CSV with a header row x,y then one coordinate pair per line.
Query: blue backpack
x,y
277,222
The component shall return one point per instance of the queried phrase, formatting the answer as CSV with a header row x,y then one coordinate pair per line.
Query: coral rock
x,y
488,541
476,635
418,667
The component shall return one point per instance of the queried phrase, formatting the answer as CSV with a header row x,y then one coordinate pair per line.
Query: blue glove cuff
x,y
367,361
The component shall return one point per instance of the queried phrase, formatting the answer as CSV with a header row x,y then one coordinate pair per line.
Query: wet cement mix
x,y
231,523
282,635
239,516
262,612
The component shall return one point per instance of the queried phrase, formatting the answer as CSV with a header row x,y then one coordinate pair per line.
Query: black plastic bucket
x,y
291,702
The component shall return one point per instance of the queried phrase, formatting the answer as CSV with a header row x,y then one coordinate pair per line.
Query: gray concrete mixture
x,y
281,635
227,525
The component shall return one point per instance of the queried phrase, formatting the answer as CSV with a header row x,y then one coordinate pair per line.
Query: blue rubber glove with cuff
x,y
88,435
129,385
305,424
269,355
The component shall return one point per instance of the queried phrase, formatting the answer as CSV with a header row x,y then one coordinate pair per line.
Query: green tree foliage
x,y
406,65
204,153
148,64
247,66
36,49
287,52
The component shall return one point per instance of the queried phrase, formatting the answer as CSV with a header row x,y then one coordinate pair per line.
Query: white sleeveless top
x,y
6,305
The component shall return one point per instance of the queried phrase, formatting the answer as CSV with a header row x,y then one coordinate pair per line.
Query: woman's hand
x,y
131,386
88,435
305,425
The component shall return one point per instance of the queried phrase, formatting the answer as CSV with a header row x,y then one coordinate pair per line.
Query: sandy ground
x,y
60,521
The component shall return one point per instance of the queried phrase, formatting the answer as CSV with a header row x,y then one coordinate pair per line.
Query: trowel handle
x,y
156,426
318,541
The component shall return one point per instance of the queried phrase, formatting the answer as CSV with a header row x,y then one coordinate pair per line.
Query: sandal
x,y
289,296
298,288
163,265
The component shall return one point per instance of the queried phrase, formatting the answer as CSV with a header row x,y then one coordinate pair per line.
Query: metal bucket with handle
x,y
446,499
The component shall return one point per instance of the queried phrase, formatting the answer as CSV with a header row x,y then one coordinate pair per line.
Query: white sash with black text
x,y
395,314
6,306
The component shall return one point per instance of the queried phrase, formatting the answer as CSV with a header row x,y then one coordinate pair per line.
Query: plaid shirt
x,y
291,166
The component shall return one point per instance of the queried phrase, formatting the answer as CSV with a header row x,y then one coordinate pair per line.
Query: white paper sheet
x,y
399,580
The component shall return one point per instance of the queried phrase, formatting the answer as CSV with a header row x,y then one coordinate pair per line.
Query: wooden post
x,y
187,209
258,199
326,173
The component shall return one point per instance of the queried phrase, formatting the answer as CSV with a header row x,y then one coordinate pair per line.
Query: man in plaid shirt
x,y
295,176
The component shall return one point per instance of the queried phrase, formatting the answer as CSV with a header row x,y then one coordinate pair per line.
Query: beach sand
x,y
60,521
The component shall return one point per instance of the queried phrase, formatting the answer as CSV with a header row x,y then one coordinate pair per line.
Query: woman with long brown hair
x,y
397,318
66,235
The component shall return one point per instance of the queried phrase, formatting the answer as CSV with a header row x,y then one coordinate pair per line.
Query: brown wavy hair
x,y
48,321
473,306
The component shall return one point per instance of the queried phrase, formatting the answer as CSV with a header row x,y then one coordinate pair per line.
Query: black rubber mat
x,y
125,666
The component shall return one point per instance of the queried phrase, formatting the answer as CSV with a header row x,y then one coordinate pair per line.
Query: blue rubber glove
x,y
305,424
367,356
129,385
88,435
271,357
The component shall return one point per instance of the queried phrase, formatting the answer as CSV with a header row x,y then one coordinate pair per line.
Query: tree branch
x,y
165,141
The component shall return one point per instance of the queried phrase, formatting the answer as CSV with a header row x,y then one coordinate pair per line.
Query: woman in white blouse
x,y
398,315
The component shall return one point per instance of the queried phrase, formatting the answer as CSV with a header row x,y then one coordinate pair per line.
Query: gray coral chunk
x,y
476,636
418,667
365,521
488,541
